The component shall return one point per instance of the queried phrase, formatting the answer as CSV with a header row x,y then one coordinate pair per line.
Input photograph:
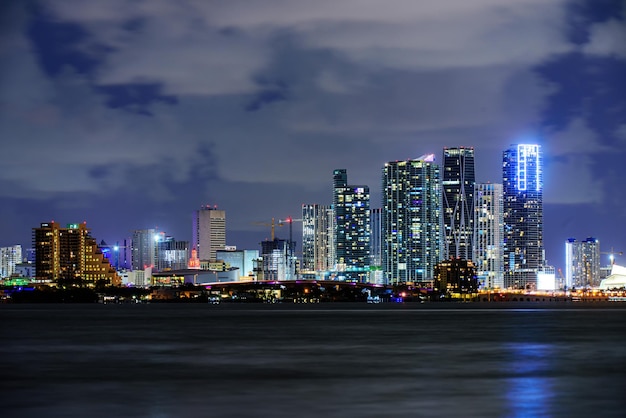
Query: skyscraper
x,y
318,238
351,205
143,250
488,255
582,263
376,247
70,256
458,202
411,220
208,232
522,181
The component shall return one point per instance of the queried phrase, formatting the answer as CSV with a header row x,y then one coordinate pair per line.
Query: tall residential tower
x,y
522,181
411,220
488,255
351,205
458,203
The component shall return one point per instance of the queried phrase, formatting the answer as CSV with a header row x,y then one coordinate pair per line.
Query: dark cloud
x,y
58,44
582,14
135,97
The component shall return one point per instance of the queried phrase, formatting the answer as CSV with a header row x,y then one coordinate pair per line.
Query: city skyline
x,y
131,117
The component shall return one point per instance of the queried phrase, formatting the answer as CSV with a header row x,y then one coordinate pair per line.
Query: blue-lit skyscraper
x,y
351,205
412,237
522,181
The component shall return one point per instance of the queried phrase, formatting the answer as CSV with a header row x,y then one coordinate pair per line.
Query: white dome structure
x,y
616,280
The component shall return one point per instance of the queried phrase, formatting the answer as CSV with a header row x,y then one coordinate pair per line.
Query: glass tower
x,y
351,205
522,181
488,235
318,234
582,263
411,220
458,202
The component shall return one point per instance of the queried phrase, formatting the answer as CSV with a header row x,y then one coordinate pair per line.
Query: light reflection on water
x,y
530,391
190,361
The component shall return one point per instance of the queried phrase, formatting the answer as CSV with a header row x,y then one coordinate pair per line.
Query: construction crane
x,y
290,221
612,255
273,225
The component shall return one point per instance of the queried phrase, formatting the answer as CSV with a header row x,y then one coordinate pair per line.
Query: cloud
x,y
571,168
221,102
607,39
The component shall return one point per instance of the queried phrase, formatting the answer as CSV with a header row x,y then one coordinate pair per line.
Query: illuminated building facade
x,y
582,263
488,239
9,258
208,232
143,249
276,260
376,247
455,276
522,181
351,206
70,256
411,220
243,260
318,238
171,254
458,180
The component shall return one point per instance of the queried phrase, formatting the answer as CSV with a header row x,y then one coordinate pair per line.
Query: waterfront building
x,y
318,239
412,236
376,247
582,263
25,269
208,232
458,180
488,236
522,181
277,262
454,277
143,248
243,260
9,258
70,256
351,205
171,254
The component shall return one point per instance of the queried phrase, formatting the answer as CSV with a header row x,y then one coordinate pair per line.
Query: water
x,y
343,360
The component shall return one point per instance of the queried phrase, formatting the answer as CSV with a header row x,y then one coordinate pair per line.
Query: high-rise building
x,y
458,180
208,232
318,239
70,256
143,248
171,254
488,255
276,260
376,247
522,181
412,235
351,206
582,263
9,258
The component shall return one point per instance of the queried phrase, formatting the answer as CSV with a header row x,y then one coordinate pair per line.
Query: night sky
x,y
132,114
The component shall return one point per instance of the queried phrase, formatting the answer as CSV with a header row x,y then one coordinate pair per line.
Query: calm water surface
x,y
352,360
